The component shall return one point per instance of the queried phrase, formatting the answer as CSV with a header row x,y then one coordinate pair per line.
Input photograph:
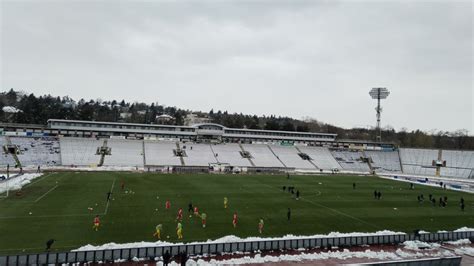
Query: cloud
x,y
303,58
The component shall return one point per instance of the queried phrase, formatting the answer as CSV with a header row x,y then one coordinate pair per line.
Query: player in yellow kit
x,y
158,229
225,202
179,231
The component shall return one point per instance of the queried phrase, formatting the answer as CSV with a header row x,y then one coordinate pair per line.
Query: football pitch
x,y
56,206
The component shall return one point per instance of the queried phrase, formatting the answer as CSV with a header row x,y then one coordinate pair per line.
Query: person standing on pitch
x,y
158,231
260,226
297,194
96,223
179,216
179,230
203,219
108,195
288,214
190,208
225,202
353,185
49,243
234,220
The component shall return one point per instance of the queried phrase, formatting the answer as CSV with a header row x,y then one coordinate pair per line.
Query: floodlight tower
x,y
379,94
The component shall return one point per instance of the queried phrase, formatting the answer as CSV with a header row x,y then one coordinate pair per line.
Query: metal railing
x,y
110,255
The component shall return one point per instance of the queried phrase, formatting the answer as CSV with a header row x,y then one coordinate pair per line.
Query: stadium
x,y
302,185
224,132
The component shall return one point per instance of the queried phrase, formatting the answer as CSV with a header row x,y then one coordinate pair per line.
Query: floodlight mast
x,y
379,94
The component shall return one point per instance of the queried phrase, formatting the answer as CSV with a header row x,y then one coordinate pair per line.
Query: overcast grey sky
x,y
314,59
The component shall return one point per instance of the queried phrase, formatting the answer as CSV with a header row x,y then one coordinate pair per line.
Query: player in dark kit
x,y
353,185
288,214
190,208
108,195
49,243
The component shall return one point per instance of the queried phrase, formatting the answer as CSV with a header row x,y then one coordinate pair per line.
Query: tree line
x,y
38,109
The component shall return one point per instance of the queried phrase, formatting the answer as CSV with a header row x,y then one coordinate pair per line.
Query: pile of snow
x,y
18,182
11,109
340,255
230,239
459,242
465,250
463,229
417,245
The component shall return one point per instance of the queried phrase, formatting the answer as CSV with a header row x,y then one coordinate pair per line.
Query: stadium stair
x,y
310,161
368,161
143,153
250,159
102,155
276,156
400,159
214,153
15,157
180,158
440,158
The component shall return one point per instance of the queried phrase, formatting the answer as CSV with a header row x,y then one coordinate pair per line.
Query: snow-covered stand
x,y
37,151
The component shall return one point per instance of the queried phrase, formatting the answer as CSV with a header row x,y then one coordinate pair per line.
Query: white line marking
x,y
341,213
39,178
42,196
45,216
107,206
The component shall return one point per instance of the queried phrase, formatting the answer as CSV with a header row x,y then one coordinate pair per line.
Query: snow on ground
x,y
459,242
230,239
466,185
330,255
463,229
15,183
465,250
417,245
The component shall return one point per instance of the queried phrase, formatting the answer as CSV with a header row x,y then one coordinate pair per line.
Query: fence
x,y
217,248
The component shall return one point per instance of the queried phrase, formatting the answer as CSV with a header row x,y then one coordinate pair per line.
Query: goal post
x,y
4,188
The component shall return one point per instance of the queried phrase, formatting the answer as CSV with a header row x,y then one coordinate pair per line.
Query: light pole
x,y
379,94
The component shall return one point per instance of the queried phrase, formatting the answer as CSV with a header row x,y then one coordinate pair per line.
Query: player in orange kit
x,y
234,220
96,223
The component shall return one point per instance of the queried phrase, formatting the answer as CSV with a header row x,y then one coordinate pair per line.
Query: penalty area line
x,y
47,192
108,201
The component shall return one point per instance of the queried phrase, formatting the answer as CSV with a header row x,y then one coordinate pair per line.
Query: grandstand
x,y
321,157
5,158
263,156
160,153
418,161
458,163
80,151
216,145
198,154
290,158
124,153
231,154
384,161
351,160
38,151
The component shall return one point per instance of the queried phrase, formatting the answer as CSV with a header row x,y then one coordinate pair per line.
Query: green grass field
x,y
59,203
